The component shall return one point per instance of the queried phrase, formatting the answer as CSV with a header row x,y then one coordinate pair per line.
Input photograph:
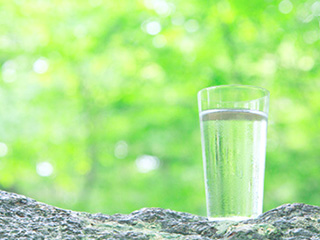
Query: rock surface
x,y
25,218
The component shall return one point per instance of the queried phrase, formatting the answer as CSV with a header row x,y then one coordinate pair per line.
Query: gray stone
x,y
25,218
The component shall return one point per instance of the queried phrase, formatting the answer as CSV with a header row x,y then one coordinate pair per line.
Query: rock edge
x,y
24,218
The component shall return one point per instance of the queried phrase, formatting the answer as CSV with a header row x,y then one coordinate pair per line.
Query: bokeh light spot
x,y
121,149
306,63
153,27
191,25
147,163
315,8
159,41
152,71
223,6
177,20
95,3
41,66
285,6
268,66
187,45
9,71
161,7
80,31
311,36
3,149
44,169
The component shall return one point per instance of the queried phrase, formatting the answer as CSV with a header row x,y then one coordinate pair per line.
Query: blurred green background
x,y
98,98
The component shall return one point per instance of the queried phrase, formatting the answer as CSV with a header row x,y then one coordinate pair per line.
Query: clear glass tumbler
x,y
233,121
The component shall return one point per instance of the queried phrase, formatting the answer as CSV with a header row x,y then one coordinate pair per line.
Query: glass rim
x,y
265,91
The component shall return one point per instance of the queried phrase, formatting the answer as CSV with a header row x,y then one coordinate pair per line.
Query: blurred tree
x,y
98,98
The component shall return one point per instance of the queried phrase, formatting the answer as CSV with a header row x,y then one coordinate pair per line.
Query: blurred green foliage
x,y
98,98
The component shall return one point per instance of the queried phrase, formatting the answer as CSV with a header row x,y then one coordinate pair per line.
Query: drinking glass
x,y
233,122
